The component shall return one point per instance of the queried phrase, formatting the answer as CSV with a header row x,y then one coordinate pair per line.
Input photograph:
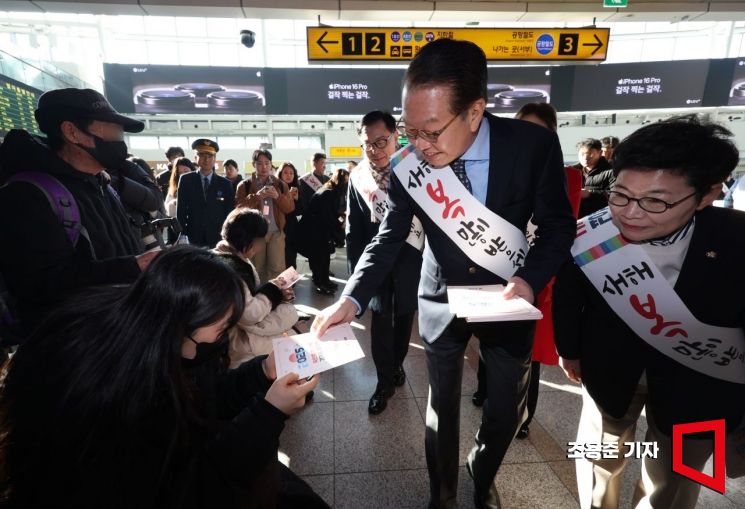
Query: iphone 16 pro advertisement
x,y
185,89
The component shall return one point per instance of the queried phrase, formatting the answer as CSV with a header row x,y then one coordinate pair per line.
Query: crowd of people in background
x,y
159,381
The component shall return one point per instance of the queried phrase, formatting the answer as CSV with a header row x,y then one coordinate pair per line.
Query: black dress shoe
x,y
399,376
379,400
488,500
523,432
478,398
325,290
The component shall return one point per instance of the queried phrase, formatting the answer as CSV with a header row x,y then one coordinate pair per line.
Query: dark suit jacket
x,y
319,222
398,291
526,178
612,357
202,219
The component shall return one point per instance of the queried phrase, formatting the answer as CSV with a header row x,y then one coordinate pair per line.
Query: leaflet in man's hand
x,y
288,277
306,355
486,304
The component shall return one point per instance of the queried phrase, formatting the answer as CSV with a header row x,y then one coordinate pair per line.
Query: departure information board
x,y
17,105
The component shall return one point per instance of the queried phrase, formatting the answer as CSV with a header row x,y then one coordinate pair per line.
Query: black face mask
x,y
111,154
207,352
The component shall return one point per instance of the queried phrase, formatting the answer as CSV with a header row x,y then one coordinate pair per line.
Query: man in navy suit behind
x,y
204,198
514,169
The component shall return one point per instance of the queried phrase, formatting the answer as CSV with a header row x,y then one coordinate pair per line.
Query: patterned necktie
x,y
205,185
459,168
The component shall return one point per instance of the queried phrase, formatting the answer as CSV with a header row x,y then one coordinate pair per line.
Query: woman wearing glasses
x,y
649,313
394,304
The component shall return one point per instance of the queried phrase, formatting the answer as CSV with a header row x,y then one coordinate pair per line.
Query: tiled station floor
x,y
358,461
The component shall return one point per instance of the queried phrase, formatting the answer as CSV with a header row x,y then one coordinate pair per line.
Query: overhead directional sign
x,y
502,44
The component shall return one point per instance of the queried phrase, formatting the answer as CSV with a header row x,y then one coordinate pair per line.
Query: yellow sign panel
x,y
506,44
345,151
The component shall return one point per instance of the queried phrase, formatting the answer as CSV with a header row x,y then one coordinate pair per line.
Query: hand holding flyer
x,y
486,304
306,355
287,278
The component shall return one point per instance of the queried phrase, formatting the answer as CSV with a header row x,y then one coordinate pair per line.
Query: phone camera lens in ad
x,y
244,101
518,98
161,100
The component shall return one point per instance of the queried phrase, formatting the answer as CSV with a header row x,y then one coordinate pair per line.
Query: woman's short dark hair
x,y
260,152
231,162
318,155
702,152
458,65
590,144
242,227
378,116
544,111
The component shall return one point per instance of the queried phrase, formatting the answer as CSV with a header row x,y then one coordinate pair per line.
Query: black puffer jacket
x,y
598,182
37,260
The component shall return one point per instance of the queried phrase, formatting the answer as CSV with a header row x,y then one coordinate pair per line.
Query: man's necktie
x,y
459,168
205,185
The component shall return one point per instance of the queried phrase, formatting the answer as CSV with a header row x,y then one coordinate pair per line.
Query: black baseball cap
x,y
56,106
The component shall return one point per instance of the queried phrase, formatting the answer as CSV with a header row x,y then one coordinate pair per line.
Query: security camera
x,y
248,38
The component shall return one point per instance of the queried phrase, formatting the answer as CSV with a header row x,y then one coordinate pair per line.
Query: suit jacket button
x,y
472,270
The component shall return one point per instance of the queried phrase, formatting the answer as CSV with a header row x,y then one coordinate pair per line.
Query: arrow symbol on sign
x,y
598,44
321,42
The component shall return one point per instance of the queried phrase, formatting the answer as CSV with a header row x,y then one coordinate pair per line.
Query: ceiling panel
x,y
478,11
660,11
126,7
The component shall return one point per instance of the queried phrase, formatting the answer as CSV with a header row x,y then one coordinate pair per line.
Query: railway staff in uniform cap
x,y
204,198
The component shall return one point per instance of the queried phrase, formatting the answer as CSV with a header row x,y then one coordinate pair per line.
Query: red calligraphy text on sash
x,y
648,310
439,196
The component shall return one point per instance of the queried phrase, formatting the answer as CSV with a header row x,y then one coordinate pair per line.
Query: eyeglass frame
x,y
386,140
629,199
401,130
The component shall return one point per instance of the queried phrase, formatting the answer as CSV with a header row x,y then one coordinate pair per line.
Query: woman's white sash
x,y
639,294
485,238
377,201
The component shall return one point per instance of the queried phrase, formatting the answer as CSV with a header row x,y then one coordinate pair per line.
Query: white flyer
x,y
288,278
306,355
486,304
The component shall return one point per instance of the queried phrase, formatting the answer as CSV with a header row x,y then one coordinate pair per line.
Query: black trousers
x,y
535,379
505,350
319,260
390,335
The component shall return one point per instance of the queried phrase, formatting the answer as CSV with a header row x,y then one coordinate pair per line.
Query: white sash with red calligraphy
x,y
312,181
484,237
636,290
377,201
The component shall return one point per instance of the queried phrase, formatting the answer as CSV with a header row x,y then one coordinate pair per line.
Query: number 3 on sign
x,y
568,44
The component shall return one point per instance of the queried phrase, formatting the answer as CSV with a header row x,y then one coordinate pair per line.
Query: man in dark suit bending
x,y
506,168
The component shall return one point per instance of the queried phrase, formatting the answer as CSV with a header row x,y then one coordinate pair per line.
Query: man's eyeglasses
x,y
653,205
379,144
428,136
